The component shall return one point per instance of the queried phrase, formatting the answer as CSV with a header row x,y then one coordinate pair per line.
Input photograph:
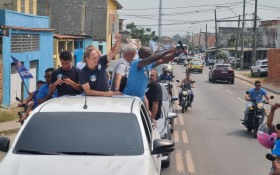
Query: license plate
x,y
223,72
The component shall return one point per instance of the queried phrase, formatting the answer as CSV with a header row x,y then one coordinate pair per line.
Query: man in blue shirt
x,y
256,94
140,69
166,78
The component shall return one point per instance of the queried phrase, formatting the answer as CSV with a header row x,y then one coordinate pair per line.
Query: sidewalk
x,y
245,76
14,126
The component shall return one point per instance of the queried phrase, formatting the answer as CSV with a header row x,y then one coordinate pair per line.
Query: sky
x,y
183,16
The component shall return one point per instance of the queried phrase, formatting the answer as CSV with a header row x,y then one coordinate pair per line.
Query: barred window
x,y
25,42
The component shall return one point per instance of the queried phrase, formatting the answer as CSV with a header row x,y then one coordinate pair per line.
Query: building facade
x,y
30,40
86,18
269,34
22,6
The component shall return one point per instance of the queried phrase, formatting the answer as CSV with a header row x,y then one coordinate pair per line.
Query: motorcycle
x,y
186,97
20,113
256,114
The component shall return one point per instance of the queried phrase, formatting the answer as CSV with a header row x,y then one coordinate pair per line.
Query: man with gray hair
x,y
121,69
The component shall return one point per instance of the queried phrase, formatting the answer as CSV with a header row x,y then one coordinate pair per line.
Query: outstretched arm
x,y
152,58
115,49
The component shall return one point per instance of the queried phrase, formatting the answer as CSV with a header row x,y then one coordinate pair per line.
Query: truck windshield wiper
x,y
86,153
36,152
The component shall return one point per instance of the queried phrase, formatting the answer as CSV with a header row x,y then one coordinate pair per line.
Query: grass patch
x,y
8,114
255,78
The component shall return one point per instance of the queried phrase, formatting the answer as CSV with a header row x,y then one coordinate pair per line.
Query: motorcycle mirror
x,y
173,76
271,97
210,67
178,81
174,98
193,81
247,92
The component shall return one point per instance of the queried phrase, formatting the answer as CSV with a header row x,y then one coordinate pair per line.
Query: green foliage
x,y
8,114
221,56
231,41
144,34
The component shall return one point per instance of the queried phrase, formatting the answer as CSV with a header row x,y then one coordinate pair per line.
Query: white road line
x,y
190,163
176,136
229,92
240,99
221,86
179,162
181,120
185,136
175,121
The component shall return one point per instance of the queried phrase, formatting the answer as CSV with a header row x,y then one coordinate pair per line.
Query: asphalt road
x,y
209,137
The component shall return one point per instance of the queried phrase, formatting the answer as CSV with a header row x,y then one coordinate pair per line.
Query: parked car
x,y
81,135
167,103
181,58
195,66
163,127
223,72
260,68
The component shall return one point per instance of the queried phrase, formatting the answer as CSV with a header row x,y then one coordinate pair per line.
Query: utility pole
x,y
242,39
237,43
216,30
199,40
254,55
237,39
160,19
206,39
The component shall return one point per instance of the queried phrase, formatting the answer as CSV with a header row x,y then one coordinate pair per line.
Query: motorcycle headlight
x,y
185,93
260,105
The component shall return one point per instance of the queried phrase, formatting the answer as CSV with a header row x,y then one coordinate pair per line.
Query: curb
x,y
268,89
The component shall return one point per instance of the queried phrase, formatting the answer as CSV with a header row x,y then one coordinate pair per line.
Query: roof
x,y
27,29
119,6
117,104
60,36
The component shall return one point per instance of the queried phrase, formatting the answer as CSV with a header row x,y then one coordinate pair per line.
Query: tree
x,y
144,34
231,41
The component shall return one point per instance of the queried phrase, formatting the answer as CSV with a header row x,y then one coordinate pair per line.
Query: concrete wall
x,y
274,65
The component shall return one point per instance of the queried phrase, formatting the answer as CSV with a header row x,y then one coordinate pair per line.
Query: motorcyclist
x,y
165,76
256,94
186,83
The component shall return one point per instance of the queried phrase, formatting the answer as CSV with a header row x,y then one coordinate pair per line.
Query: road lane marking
x,y
176,136
190,163
229,92
175,121
179,162
185,136
181,120
221,86
240,99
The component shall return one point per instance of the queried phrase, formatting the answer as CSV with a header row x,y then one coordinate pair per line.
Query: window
x,y
100,48
22,7
77,133
31,7
25,42
61,46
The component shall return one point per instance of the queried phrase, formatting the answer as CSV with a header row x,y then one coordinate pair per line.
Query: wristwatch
x,y
117,89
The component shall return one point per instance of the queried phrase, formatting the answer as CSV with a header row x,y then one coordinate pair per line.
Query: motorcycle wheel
x,y
258,123
183,106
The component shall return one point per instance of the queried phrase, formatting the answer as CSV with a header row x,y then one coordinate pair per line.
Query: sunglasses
x,y
258,85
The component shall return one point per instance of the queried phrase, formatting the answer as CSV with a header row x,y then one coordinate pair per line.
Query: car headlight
x,y
185,93
260,105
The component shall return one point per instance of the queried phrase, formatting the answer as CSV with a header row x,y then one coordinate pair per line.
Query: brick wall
x,y
274,65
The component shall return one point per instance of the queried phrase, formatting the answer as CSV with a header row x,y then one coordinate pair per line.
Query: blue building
x,y
29,39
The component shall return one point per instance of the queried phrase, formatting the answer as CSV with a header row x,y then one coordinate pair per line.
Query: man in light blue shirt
x,y
256,94
140,69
